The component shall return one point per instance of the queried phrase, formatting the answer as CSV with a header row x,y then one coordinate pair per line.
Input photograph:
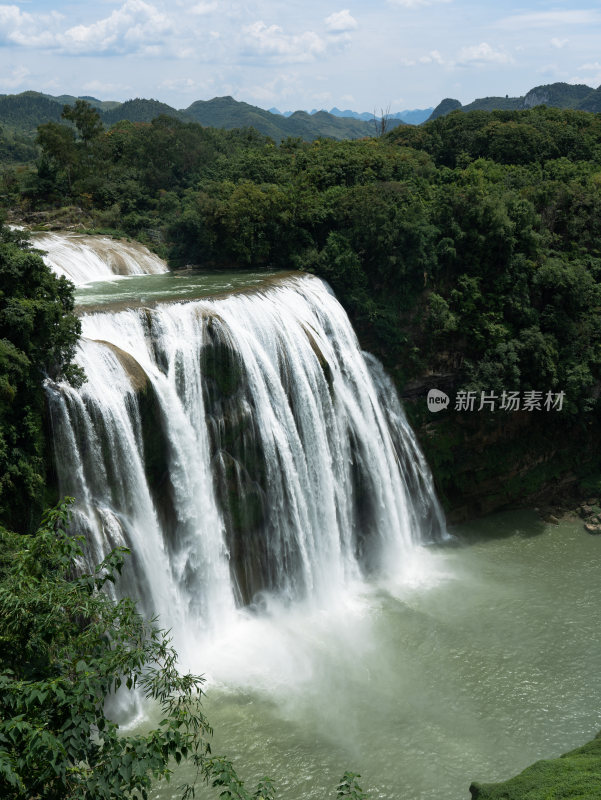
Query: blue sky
x,y
298,54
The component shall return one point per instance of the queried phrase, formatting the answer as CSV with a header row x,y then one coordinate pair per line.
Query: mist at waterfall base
x,y
261,471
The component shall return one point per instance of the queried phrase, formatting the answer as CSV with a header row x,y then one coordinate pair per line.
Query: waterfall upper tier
x,y
84,259
237,446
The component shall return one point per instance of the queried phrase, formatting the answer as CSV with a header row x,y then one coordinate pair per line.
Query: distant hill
x,y
411,117
444,107
69,99
22,113
593,101
558,95
140,110
225,112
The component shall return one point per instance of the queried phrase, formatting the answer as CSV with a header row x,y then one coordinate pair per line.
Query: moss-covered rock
x,y
220,364
575,775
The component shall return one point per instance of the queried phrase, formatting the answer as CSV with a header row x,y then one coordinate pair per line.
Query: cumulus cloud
x,y
272,42
135,26
559,43
341,22
482,54
550,19
25,29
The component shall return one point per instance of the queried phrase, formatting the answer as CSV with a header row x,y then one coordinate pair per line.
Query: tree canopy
x,y
38,336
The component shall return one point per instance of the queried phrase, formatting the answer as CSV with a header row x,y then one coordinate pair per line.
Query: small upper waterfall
x,y
84,258
239,446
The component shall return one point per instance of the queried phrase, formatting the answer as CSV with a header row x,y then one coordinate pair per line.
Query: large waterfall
x,y
242,448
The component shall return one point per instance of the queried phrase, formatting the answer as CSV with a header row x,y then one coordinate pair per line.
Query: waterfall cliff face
x,y
239,447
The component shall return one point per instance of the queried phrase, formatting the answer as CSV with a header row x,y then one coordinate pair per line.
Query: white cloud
x,y
432,57
593,80
593,66
591,76
25,29
136,26
15,79
341,22
271,42
482,53
549,19
559,43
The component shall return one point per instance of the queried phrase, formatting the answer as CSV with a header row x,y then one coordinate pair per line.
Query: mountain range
x,y
413,116
559,95
22,113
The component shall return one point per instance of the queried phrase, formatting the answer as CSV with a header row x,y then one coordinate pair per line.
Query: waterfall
x,y
84,258
241,447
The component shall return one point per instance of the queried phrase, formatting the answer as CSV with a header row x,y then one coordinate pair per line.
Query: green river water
x,y
147,290
483,662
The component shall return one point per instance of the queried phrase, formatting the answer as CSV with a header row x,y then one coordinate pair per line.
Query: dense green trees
x,y
38,334
65,646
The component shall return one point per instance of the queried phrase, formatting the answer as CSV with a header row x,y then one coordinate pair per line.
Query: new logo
x,y
437,400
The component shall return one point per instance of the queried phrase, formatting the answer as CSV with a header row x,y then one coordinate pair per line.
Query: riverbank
x,y
576,774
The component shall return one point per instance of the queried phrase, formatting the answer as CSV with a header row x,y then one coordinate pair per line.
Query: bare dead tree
x,y
381,120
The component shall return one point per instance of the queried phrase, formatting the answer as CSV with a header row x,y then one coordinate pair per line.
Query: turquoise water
x,y
484,660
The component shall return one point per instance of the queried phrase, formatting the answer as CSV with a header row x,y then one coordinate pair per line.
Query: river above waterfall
x,y
133,291
486,662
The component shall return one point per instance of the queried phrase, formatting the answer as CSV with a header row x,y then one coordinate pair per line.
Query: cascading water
x,y
240,447
84,258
